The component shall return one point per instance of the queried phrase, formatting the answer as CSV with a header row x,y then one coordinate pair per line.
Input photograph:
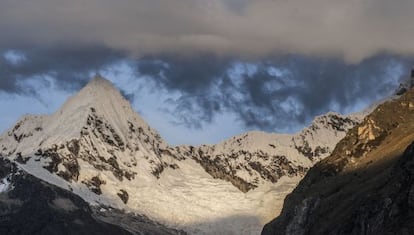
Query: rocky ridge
x,y
365,186
29,205
251,159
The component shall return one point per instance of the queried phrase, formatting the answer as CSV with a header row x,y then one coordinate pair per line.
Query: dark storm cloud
x,y
71,66
274,93
192,74
195,44
281,93
352,29
194,77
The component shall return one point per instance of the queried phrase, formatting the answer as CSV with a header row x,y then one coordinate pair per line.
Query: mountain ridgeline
x,y
96,153
365,186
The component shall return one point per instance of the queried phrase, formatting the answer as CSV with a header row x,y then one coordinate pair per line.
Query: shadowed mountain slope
x,y
366,186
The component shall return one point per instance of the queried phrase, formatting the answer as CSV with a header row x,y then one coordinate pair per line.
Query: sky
x,y
202,71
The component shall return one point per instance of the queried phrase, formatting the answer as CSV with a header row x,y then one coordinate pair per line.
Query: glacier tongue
x,y
97,146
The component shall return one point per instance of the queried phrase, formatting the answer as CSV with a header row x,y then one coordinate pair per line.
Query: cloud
x,y
273,94
276,93
273,64
353,29
14,57
71,67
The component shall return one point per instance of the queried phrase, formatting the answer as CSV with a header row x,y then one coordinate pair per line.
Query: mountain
x,y
97,148
365,186
29,205
254,158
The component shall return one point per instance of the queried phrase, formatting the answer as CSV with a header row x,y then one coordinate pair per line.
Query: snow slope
x,y
254,158
99,148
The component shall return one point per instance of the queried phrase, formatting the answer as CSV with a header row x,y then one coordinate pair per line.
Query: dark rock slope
x,y
365,187
29,205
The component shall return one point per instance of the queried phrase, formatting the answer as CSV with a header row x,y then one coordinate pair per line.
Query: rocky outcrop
x,y
386,208
365,187
31,206
94,184
250,159
406,85
244,169
123,195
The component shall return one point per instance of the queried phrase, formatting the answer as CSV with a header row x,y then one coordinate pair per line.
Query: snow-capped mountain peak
x,y
97,146
98,98
95,130
99,105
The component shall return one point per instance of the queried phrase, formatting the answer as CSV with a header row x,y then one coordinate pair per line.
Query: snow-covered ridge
x,y
97,146
256,157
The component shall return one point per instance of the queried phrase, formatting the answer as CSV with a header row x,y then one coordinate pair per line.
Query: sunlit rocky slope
x,y
366,185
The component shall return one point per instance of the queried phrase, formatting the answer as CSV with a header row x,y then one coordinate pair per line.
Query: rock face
x,y
98,148
30,206
406,85
251,159
365,186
